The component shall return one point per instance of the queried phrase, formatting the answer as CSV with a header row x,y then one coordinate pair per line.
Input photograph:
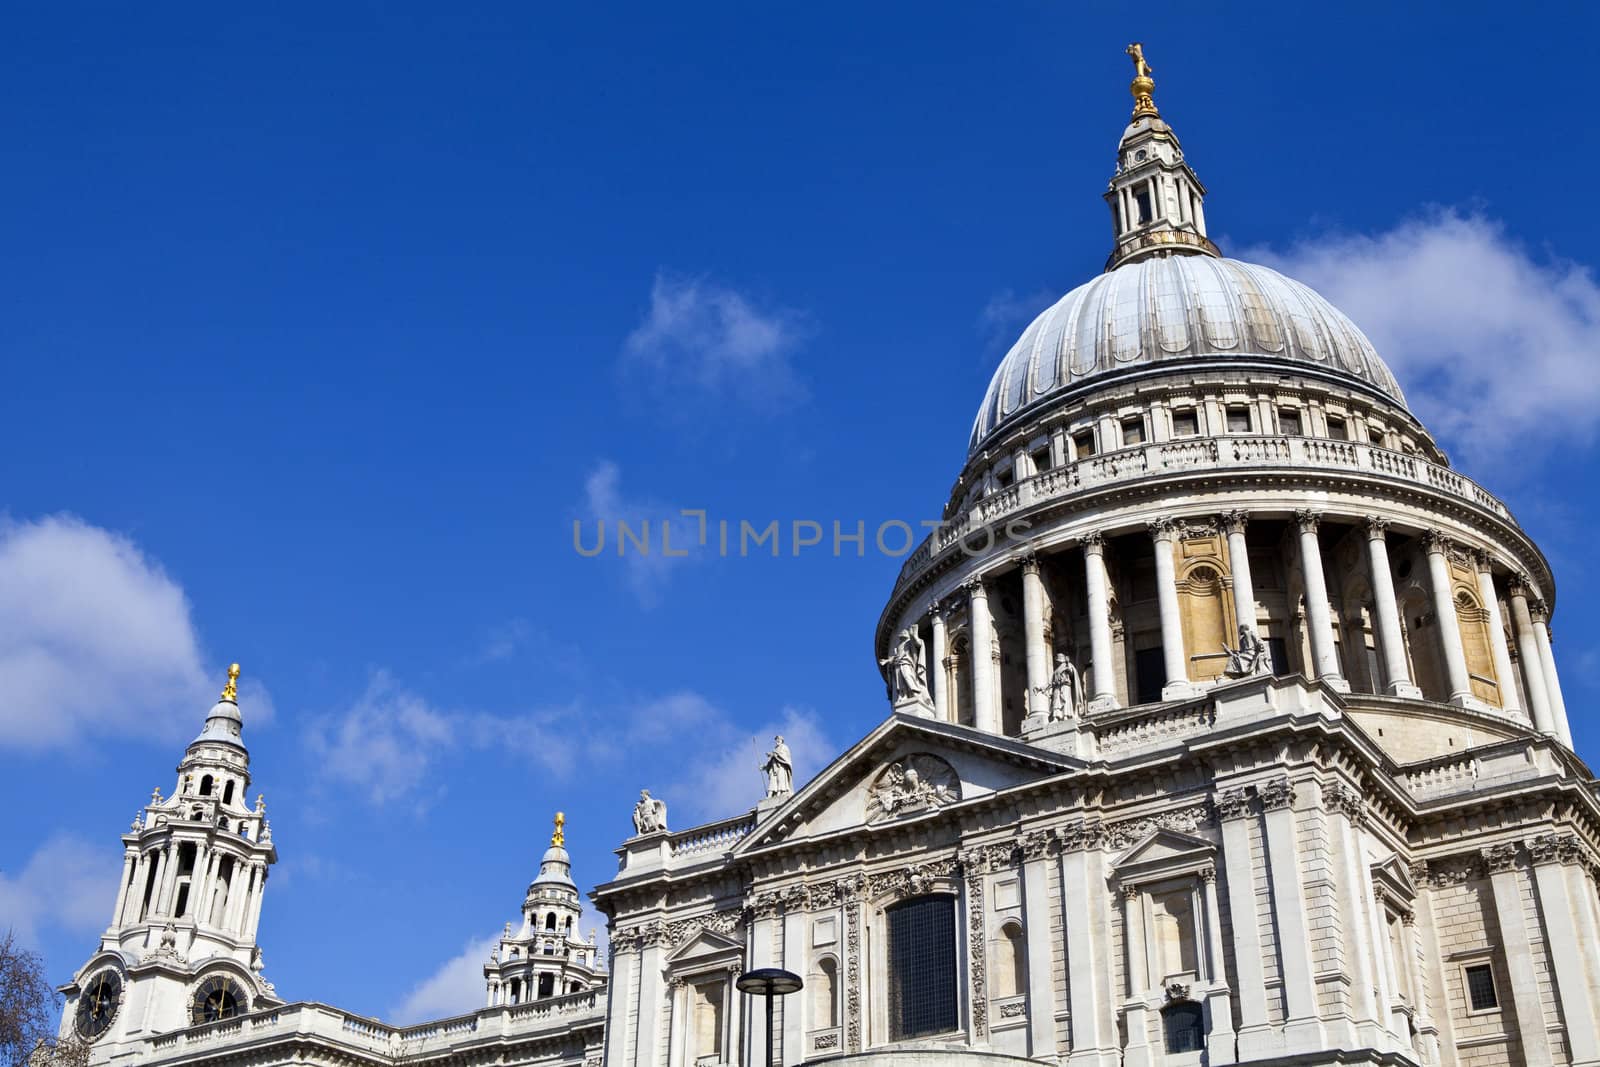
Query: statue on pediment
x,y
779,769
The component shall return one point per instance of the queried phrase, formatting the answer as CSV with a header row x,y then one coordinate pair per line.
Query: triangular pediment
x,y
1390,876
705,943
909,768
1162,852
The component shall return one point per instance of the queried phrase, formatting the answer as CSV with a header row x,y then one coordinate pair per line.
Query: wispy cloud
x,y
68,884
661,537
1003,318
723,776
1492,343
456,988
701,338
97,642
384,742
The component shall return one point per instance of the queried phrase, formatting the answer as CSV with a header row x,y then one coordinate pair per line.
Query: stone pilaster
x,y
1302,1029
1234,812
1504,880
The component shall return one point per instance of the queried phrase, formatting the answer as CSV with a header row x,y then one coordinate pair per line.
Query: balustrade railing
x,y
712,837
1195,454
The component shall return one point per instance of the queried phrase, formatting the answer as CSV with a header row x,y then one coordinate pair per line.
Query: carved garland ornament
x,y
915,783
852,979
976,945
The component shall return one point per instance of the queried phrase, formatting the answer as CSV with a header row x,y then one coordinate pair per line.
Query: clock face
x,y
97,1004
216,998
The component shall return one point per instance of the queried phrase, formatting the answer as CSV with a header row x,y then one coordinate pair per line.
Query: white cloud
x,y
454,989
1004,317
96,641
702,338
725,778
67,883
384,742
660,537
1492,344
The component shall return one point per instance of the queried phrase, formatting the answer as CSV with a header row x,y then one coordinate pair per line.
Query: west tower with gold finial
x,y
180,948
545,956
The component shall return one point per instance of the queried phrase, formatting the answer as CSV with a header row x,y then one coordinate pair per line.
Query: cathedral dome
x,y
1162,312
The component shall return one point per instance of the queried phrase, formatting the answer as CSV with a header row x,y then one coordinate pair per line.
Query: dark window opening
x,y
1150,674
1185,1027
1041,459
1133,431
1185,423
1238,419
1004,478
1278,652
183,901
1145,210
547,985
1083,443
1480,988
1289,422
1375,436
922,967
205,786
227,792
1336,429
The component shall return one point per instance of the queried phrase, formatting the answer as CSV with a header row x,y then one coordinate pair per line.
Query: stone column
x,y
1444,612
1552,683
253,901
128,859
1302,1030
937,652
1137,1051
1219,1004
1346,811
1099,596
1550,854
1177,660
1036,849
1533,678
158,900
645,1038
1084,907
620,995
1391,644
1033,608
1255,1032
1510,914
1244,593
141,874
200,887
1319,615
1504,680
985,699
764,912
795,1009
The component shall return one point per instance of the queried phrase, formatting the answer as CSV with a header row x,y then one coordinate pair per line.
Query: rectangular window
x,y
707,1002
1004,478
1278,652
1185,423
922,967
1041,459
1083,444
1149,674
1336,429
1133,431
1375,435
1238,418
1480,988
1143,199
1289,421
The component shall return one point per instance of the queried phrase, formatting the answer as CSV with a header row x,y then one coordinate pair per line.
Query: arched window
x,y
825,994
550,921
227,792
1185,1026
516,991
205,786
1011,962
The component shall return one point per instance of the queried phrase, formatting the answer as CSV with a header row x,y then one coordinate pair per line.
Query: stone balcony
x,y
1192,456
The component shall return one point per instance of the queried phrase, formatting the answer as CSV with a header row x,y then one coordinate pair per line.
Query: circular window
x,y
1139,156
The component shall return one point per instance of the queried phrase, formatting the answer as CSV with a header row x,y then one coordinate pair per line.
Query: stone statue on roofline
x,y
650,814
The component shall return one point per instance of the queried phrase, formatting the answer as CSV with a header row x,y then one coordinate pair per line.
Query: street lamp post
x,y
768,982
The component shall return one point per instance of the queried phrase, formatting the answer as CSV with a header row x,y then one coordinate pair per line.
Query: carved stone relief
x,y
915,783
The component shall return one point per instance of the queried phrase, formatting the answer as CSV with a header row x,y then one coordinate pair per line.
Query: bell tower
x,y
545,956
1157,203
180,948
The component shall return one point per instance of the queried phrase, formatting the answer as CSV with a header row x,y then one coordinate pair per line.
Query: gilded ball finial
x,y
231,690
1142,85
559,838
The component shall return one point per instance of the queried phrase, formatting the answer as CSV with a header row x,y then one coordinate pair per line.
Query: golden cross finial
x,y
231,690
1142,85
559,838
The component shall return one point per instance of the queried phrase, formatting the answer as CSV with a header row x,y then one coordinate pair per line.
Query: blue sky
x,y
322,324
